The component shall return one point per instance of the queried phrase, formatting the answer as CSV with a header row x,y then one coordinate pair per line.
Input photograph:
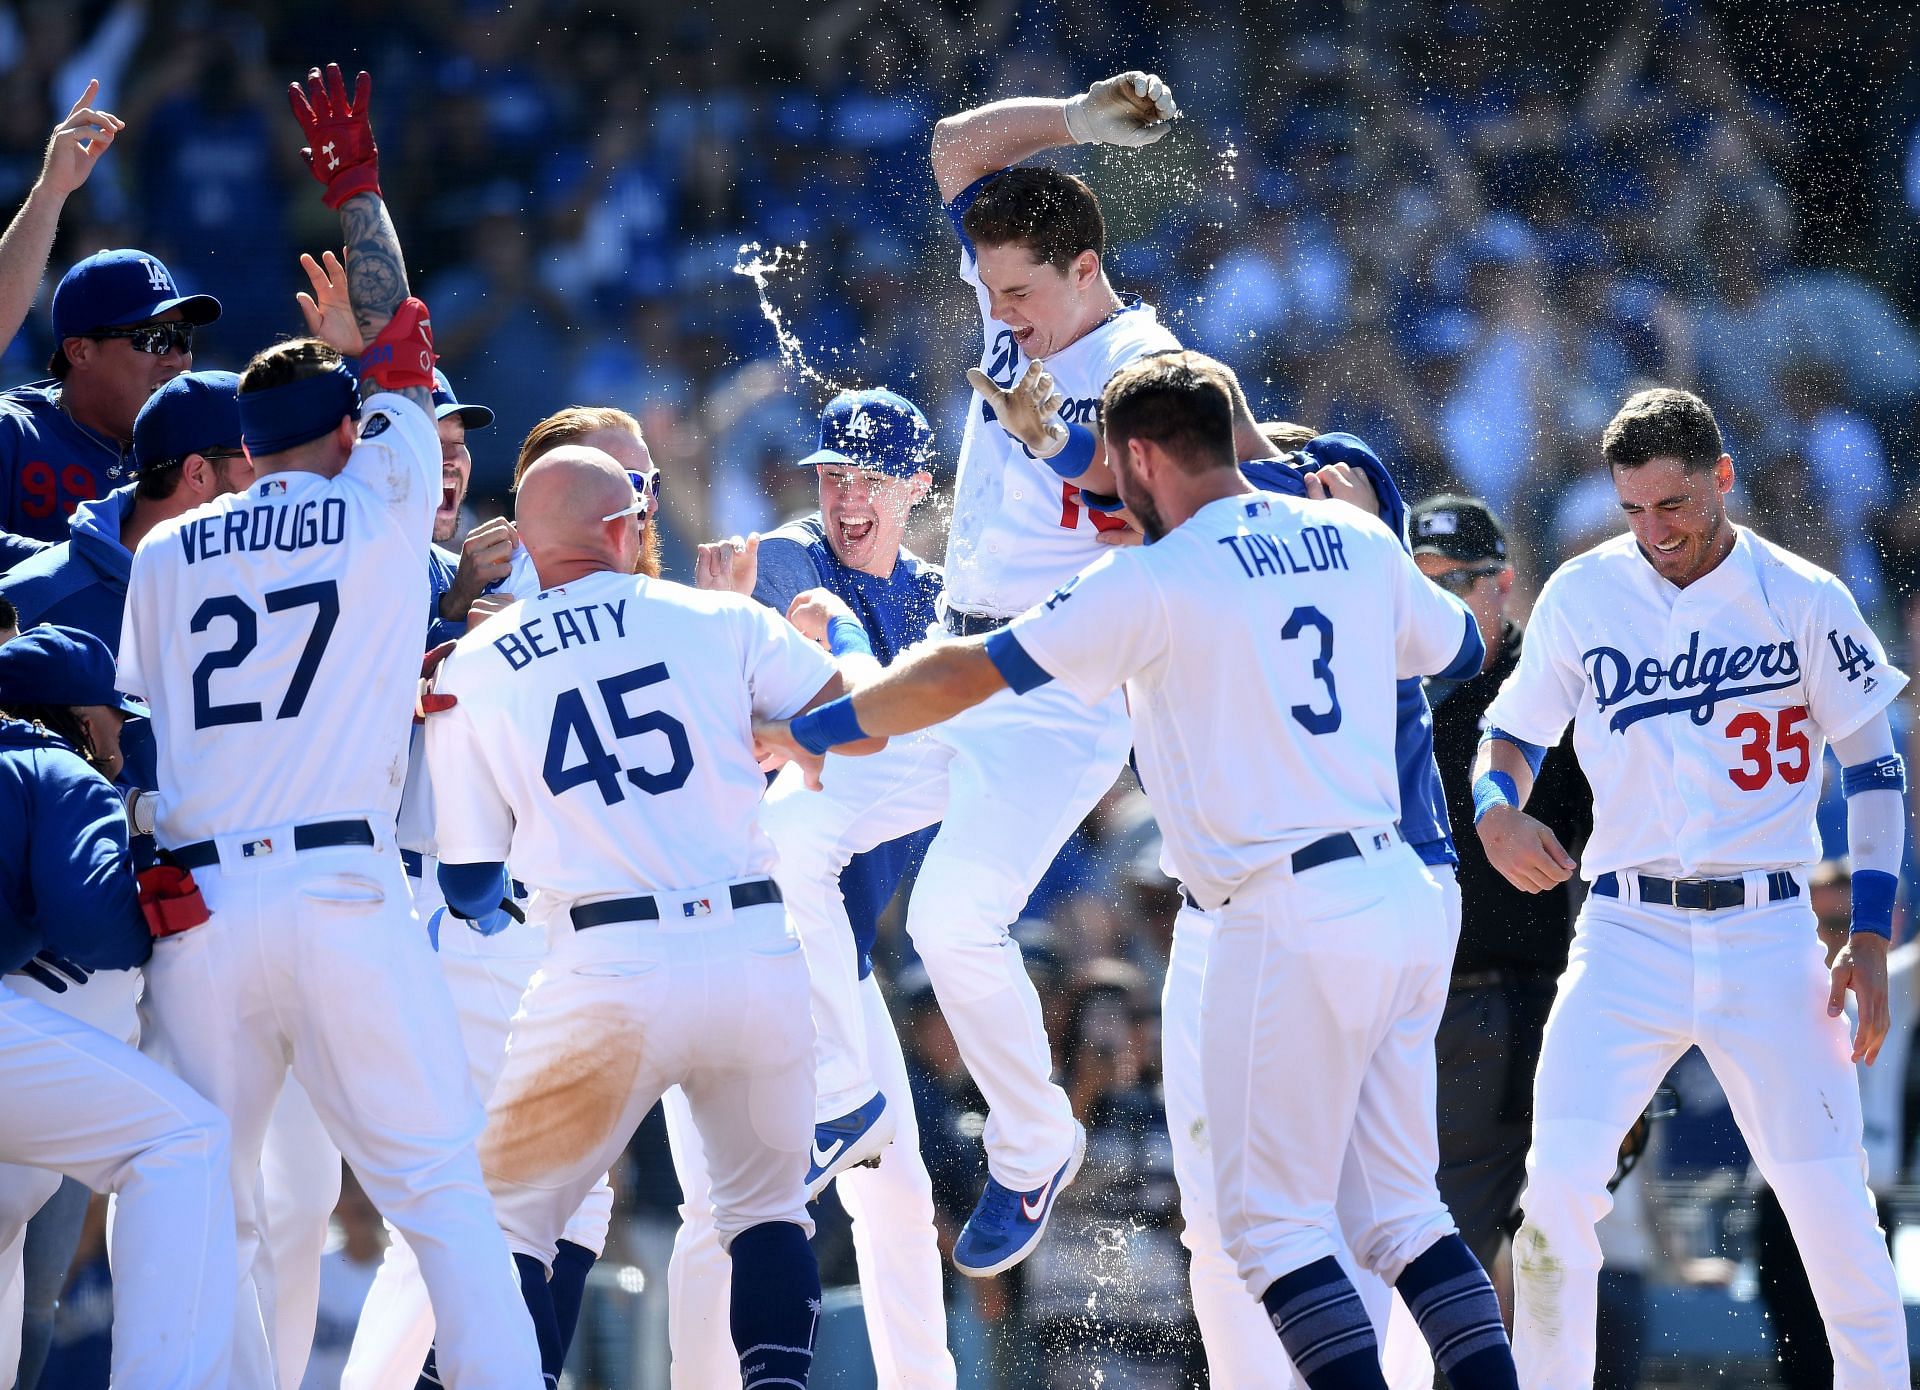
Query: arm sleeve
x,y
472,822
1541,696
84,892
1876,819
398,457
1105,626
1434,634
14,549
783,670
473,890
786,572
1848,678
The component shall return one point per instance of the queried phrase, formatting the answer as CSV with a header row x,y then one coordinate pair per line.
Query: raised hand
x,y
1030,412
340,151
328,310
731,566
1133,109
77,143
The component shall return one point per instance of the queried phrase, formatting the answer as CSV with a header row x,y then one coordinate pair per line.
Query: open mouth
x,y
1671,547
853,532
449,494
1023,336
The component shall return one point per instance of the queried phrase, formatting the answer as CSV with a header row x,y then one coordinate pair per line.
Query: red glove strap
x,y
170,901
361,178
402,357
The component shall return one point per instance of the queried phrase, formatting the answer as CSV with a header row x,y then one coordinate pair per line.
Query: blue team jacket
x,y
1423,802
49,464
83,583
66,876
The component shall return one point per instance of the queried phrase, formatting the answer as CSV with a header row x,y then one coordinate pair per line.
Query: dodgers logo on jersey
x,y
1694,682
376,427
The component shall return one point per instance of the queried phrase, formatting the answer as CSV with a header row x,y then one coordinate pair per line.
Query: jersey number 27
x,y
572,724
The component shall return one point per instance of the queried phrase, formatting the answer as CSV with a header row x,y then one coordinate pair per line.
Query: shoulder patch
x,y
376,426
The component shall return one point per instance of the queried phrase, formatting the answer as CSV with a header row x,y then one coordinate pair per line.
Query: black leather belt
x,y
972,624
326,834
1700,894
1329,849
646,907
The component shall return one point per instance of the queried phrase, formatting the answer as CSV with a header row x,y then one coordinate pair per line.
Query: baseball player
x,y
844,576
266,628
1704,671
124,331
600,732
1010,782
78,1101
1328,929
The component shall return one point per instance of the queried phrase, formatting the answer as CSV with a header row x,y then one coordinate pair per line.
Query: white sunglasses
x,y
645,487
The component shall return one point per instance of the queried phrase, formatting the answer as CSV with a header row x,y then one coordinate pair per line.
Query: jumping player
x,y
255,624
1704,670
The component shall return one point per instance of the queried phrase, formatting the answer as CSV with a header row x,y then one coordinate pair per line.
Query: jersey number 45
x,y
572,724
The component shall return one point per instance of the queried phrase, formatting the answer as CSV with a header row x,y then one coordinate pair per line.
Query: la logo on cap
x,y
157,277
861,426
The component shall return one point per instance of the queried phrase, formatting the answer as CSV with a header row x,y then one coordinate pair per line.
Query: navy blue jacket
x,y
83,583
896,612
49,464
66,876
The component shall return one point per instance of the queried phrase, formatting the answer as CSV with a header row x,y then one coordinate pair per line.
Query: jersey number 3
x,y
572,724
1304,618
1769,748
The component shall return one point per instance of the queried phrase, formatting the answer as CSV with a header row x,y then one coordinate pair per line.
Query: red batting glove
x,y
426,702
402,357
340,151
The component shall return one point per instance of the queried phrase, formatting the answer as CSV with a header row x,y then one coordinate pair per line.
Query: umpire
x,y
1513,945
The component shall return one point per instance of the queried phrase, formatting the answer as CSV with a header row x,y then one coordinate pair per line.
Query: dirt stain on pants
x,y
567,1106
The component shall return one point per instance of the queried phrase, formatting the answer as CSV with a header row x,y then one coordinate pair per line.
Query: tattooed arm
x,y
376,274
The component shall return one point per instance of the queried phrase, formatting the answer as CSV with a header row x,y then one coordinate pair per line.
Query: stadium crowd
x,y
1416,222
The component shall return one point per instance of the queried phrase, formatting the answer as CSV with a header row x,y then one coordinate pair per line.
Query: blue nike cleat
x,y
1007,1225
855,1138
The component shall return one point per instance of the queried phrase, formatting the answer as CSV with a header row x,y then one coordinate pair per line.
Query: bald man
x,y
601,737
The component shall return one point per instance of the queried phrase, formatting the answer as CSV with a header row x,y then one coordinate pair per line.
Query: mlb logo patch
x,y
1257,508
253,849
1382,840
273,485
699,907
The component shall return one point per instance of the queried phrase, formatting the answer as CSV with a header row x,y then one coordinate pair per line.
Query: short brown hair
x,y
294,359
1663,423
1178,400
571,425
1054,215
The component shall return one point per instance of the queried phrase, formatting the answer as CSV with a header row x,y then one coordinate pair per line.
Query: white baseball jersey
x,y
1018,531
603,738
1700,714
276,633
1259,643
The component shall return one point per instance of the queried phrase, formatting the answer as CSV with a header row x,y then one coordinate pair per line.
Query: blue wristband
x,y
844,635
824,726
1491,789
1077,457
1873,894
1885,773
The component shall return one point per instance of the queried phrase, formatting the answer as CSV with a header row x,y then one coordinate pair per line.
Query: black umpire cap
x,y
1460,528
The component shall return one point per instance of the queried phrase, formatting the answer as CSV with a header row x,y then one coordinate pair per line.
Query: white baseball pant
x,y
109,1002
1234,1329
315,959
1009,779
85,1104
715,1003
299,1188
893,1242
486,977
1321,997
1749,987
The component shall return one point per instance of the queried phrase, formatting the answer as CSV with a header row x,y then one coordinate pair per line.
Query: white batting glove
x,y
1030,412
1133,109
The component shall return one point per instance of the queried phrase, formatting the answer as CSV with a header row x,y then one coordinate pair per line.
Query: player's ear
x,y
1723,474
347,433
196,475
1085,270
918,486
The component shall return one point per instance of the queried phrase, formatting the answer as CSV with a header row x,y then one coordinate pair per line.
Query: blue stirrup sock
x,y
567,1287
1324,1327
1451,1298
776,1304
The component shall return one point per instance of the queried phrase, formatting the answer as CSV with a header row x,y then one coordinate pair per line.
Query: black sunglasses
x,y
1460,581
158,339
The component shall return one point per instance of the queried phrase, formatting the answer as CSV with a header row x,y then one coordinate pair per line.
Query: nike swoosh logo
x,y
822,1157
1031,1207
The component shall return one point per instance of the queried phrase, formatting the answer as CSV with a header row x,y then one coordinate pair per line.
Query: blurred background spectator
x,y
1463,229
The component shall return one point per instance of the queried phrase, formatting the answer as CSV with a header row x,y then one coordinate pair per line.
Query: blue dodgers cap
x,y
874,430
445,403
192,414
50,665
111,289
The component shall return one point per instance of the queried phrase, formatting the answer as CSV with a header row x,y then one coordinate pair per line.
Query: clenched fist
x,y
1133,109
1030,412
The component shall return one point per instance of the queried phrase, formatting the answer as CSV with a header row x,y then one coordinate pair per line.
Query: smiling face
x,y
1679,518
456,471
109,379
865,513
1046,307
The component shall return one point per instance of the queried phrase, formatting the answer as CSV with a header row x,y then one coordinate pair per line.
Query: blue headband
x,y
285,417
